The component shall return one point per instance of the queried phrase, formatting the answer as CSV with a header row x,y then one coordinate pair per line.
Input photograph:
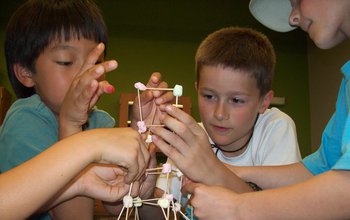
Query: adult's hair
x,y
241,49
36,23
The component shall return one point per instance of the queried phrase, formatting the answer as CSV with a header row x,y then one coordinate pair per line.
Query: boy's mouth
x,y
220,128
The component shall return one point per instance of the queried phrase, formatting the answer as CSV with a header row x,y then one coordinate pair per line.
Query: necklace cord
x,y
243,146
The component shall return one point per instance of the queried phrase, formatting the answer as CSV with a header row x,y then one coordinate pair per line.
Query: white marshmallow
x,y
137,202
177,90
140,86
177,207
163,203
127,201
142,126
166,168
149,139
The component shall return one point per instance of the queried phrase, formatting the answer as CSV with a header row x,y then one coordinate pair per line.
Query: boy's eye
x,y
208,96
64,63
237,101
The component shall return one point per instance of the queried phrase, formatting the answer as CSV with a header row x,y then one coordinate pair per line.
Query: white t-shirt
x,y
274,142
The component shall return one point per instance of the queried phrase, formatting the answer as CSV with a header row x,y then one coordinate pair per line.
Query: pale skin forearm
x,y
269,177
26,181
224,177
323,197
81,207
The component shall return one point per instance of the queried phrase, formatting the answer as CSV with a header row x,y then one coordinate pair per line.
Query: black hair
x,y
36,23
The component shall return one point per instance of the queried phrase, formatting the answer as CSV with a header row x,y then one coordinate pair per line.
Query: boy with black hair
x,y
55,52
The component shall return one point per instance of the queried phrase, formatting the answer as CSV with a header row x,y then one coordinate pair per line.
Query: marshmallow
x,y
177,207
140,86
127,201
142,126
166,168
163,203
177,90
137,202
149,139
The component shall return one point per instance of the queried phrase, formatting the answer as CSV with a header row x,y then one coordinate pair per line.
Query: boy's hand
x,y
146,187
187,144
150,100
84,92
123,147
119,156
104,182
212,202
150,181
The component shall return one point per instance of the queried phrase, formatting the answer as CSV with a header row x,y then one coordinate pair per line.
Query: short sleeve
x,y
25,133
278,141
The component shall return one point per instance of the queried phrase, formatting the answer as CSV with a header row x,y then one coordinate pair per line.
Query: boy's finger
x,y
143,158
164,98
105,87
85,81
109,65
95,73
92,57
190,187
184,118
184,125
167,149
154,80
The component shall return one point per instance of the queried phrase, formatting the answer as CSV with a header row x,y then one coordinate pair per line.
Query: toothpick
x,y
160,89
139,101
155,125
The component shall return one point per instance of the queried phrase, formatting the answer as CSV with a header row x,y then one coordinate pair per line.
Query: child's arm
x,y
33,183
84,92
321,197
187,145
268,177
82,96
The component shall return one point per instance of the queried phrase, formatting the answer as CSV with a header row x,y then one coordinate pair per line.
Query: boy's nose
x,y
294,18
221,112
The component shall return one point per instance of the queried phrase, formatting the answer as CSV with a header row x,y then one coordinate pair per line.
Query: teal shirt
x,y
334,152
30,127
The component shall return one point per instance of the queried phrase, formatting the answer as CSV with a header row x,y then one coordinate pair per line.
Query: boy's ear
x,y
23,75
266,101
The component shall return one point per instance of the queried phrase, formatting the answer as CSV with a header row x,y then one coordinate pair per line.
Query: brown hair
x,y
239,48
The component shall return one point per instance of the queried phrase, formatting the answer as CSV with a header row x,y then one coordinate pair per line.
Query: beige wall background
x,y
324,80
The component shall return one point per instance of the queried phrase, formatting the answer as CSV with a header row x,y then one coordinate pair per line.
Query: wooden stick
x,y
139,100
160,89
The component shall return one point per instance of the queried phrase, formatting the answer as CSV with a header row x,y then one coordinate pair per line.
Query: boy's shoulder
x,y
32,103
274,116
28,109
100,119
